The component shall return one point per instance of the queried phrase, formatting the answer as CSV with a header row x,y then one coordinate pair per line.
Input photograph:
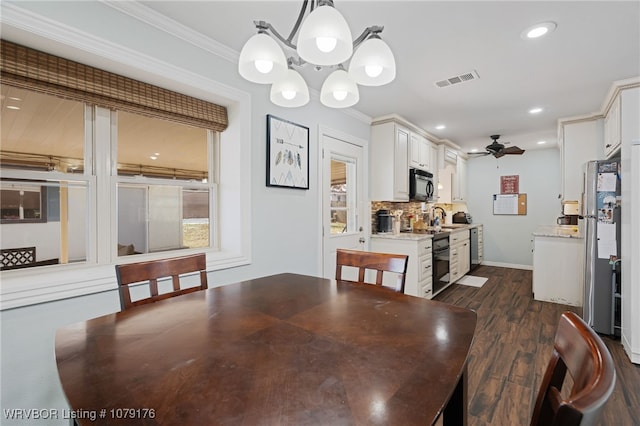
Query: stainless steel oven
x,y
440,261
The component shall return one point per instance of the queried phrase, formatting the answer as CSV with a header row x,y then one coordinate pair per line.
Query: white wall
x,y
508,239
285,223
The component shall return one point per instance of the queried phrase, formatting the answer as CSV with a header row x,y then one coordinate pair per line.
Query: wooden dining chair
x,y
579,351
380,262
154,270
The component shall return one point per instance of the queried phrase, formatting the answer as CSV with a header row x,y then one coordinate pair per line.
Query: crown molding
x,y
157,20
14,16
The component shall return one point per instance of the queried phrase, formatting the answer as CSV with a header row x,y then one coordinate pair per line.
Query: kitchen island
x,y
558,264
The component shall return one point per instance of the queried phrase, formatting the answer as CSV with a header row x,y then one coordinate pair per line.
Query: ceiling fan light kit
x,y
498,149
324,40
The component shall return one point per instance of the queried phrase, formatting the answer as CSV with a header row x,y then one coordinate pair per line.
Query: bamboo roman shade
x,y
41,72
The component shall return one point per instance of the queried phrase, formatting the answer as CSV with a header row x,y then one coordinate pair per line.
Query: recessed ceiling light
x,y
441,126
474,150
538,30
536,110
154,157
13,107
541,142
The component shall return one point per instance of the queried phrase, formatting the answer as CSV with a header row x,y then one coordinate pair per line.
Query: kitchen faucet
x,y
444,214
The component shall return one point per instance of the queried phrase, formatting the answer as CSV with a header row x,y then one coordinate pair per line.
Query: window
x,y
94,180
164,190
23,202
43,187
160,153
343,197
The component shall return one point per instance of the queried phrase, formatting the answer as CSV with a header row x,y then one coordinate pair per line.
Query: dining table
x,y
285,349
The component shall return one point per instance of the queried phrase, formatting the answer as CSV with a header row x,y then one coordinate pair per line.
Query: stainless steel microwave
x,y
420,185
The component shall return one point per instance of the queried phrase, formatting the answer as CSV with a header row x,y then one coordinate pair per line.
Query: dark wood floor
x,y
514,341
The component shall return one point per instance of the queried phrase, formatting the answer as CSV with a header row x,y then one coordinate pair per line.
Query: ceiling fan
x,y
498,149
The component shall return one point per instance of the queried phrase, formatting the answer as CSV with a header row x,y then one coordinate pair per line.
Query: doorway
x,y
344,219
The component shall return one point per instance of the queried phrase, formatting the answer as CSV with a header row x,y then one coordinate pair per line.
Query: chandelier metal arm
x,y
295,28
374,30
264,26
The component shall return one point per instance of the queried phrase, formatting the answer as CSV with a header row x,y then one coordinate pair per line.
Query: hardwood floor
x,y
514,341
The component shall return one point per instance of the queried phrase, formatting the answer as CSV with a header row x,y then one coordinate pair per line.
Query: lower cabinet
x,y
558,270
419,277
460,254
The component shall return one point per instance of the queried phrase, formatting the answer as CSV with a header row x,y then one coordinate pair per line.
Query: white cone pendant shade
x,y
325,37
291,91
373,63
339,91
262,60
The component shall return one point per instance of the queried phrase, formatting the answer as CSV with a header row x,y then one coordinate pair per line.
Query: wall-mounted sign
x,y
510,184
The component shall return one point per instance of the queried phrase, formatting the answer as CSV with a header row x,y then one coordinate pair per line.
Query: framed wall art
x,y
287,154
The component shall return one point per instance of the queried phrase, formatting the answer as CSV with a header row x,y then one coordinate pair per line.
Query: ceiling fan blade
x,y
499,153
513,150
480,153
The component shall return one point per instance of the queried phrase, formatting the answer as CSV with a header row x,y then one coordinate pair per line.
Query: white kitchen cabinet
x,y
389,168
433,158
630,233
459,181
459,254
558,269
612,136
419,279
580,141
419,152
444,184
452,182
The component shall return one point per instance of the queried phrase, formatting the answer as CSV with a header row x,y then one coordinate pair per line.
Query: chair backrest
x,y
579,351
380,262
153,270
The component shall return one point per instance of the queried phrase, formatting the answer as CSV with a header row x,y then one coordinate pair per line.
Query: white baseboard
x,y
508,265
633,356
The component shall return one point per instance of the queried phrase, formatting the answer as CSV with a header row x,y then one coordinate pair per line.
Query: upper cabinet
x,y
419,153
389,168
612,137
433,156
459,185
579,140
452,177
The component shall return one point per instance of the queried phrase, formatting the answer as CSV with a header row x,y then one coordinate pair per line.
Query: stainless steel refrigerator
x,y
601,211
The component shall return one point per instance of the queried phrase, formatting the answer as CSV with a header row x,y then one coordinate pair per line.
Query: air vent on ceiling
x,y
468,76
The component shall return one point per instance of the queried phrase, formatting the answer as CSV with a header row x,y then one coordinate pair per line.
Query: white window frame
x,y
23,287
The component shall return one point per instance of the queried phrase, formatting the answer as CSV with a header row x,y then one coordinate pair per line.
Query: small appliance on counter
x,y
570,213
461,217
384,221
570,219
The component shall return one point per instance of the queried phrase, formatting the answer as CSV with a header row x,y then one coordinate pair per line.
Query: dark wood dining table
x,y
286,349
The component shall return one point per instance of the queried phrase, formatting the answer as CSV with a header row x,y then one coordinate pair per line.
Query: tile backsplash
x,y
412,208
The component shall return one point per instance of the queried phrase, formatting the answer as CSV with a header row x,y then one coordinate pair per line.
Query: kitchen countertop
x,y
562,231
417,237
403,236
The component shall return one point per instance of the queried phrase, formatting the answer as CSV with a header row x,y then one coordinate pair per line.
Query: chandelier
x,y
324,40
